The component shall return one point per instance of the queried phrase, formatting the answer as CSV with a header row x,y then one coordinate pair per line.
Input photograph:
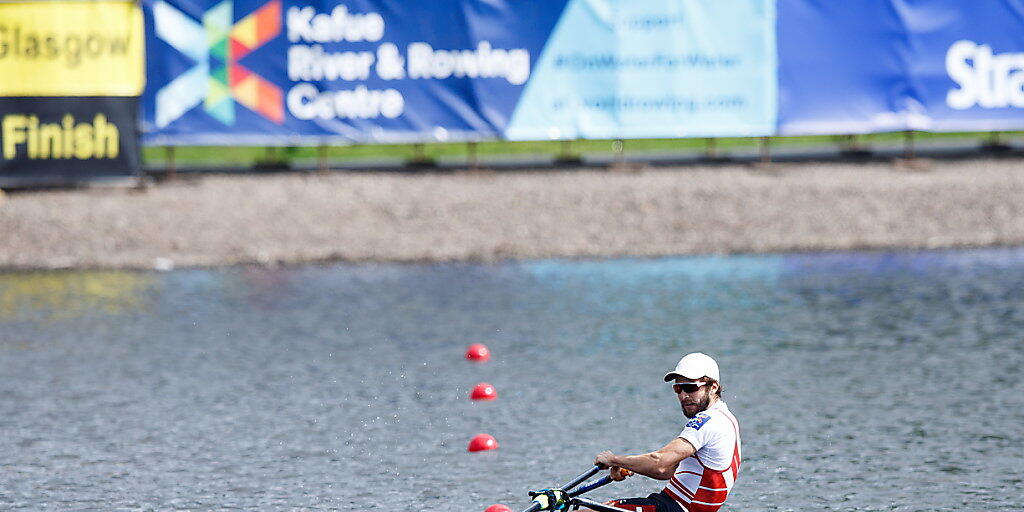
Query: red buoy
x,y
497,507
483,391
478,352
482,442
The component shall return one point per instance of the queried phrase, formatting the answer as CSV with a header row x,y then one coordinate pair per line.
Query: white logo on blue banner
x,y
983,78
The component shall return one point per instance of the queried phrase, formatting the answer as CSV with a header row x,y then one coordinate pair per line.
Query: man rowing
x,y
702,463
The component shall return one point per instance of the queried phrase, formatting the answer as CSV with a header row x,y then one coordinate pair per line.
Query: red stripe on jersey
x,y
735,466
711,497
713,480
680,487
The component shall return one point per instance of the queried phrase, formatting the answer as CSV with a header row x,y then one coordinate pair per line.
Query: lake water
x,y
862,381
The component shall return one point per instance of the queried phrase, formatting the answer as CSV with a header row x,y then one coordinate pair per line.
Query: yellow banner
x,y
60,48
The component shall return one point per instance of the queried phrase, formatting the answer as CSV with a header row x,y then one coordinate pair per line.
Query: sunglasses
x,y
688,387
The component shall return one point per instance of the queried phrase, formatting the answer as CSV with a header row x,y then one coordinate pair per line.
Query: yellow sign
x,y
99,139
61,48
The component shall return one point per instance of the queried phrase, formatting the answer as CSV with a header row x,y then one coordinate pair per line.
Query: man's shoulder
x,y
720,408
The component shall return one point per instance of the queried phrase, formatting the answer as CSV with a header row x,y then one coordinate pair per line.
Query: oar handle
x,y
597,483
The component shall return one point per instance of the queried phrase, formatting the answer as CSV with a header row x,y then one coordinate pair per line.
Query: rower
x,y
702,463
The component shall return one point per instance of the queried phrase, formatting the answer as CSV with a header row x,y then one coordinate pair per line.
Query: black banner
x,y
67,140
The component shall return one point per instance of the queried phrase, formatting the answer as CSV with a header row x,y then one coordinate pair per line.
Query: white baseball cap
x,y
694,366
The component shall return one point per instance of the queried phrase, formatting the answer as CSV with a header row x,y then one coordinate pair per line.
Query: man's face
x,y
691,400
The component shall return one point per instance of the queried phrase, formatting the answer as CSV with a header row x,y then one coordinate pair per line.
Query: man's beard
x,y
701,404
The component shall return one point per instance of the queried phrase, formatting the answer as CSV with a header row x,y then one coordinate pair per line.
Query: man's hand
x,y
605,459
608,459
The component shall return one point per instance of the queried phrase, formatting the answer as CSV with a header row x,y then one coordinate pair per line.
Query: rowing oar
x,y
597,483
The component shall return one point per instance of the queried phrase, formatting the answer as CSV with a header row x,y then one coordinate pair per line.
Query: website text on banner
x,y
70,77
282,72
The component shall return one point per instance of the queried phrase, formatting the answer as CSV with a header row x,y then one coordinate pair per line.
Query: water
x,y
871,381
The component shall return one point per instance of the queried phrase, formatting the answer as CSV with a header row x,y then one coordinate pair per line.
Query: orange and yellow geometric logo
x,y
216,45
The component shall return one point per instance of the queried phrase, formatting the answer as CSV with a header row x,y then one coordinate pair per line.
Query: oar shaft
x,y
591,486
534,507
576,481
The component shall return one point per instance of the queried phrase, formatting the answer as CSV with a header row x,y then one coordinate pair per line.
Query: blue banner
x,y
840,67
966,64
284,72
287,72
887,65
654,69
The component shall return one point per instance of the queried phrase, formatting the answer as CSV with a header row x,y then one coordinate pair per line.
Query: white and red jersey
x,y
702,481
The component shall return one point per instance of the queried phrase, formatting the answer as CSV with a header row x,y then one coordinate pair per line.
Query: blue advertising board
x,y
654,69
966,62
840,67
284,72
290,72
887,65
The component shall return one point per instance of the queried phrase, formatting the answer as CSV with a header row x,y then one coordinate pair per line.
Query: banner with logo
x,y
70,76
966,63
291,72
282,72
887,65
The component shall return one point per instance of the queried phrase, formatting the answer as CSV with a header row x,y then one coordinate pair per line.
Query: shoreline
x,y
299,219
286,265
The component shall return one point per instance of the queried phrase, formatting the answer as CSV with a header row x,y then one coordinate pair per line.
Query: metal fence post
x,y
710,149
765,150
472,160
170,166
565,156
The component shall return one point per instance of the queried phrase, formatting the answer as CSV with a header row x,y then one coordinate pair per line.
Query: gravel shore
x,y
296,218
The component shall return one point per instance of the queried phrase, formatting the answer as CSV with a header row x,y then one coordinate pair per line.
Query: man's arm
x,y
659,464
